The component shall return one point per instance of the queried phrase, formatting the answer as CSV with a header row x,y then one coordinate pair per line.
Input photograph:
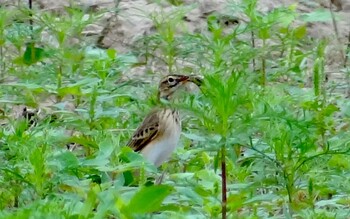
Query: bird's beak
x,y
184,78
196,79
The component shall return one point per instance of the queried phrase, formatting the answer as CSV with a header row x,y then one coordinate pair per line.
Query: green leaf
x,y
321,15
300,32
264,33
216,161
261,198
96,162
339,161
194,137
95,53
149,199
330,109
106,149
61,36
84,141
128,155
72,90
67,160
28,86
190,195
112,53
95,178
32,54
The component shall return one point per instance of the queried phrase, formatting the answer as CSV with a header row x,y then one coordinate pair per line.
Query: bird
x,y
159,133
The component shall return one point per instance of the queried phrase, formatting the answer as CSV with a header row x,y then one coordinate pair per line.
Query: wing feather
x,y
146,132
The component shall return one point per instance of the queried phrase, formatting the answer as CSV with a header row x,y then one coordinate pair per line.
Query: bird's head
x,y
171,83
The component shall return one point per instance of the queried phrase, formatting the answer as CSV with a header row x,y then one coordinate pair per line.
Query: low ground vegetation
x,y
259,140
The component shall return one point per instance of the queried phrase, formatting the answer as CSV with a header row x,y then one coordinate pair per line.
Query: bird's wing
x,y
146,132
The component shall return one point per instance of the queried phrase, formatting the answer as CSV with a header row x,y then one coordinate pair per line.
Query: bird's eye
x,y
171,80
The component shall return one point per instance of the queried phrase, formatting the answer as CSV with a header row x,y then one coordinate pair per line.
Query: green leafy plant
x,y
258,140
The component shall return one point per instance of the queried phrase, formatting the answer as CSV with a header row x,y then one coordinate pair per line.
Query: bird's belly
x,y
159,151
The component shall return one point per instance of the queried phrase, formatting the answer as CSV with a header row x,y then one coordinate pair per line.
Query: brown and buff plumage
x,y
158,135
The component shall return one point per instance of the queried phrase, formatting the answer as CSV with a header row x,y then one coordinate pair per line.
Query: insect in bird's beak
x,y
184,78
196,79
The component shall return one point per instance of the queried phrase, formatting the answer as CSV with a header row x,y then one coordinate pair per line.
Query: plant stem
x,y
347,51
223,182
263,70
336,32
2,64
263,73
253,45
59,82
289,183
30,5
92,110
316,79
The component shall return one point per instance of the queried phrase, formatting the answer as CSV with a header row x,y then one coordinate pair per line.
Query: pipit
x,y
159,133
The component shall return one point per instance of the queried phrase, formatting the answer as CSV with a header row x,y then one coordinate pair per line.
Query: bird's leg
x,y
160,179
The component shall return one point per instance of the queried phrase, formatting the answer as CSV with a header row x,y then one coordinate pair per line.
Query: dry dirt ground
x,y
127,20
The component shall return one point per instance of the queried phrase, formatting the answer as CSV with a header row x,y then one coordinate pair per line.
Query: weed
x,y
281,147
